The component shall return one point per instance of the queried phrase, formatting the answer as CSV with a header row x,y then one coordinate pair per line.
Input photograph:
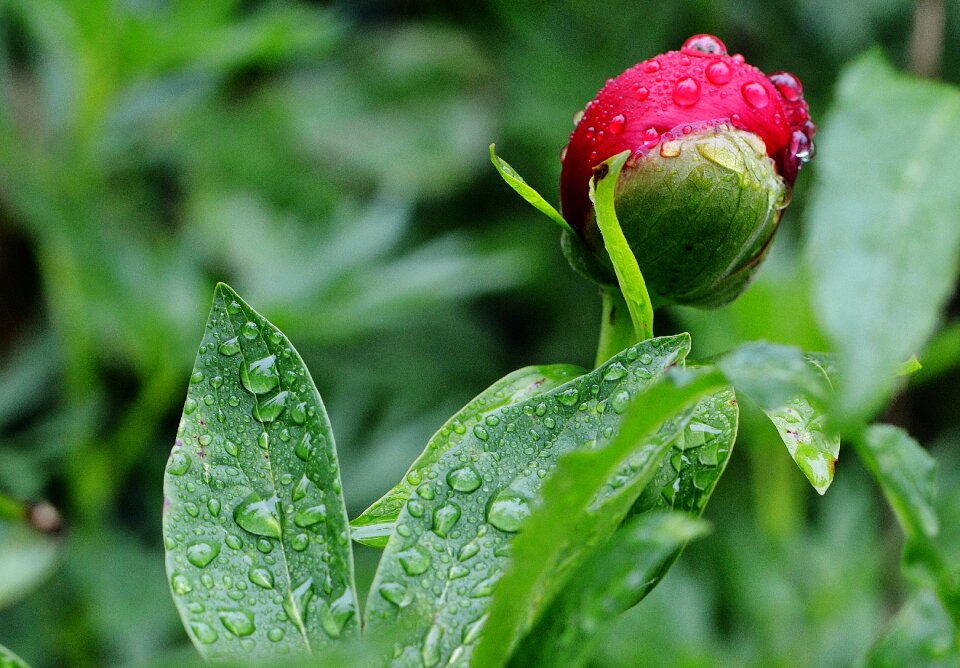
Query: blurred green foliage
x,y
330,162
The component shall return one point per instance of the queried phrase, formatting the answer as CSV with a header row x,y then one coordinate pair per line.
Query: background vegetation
x,y
329,161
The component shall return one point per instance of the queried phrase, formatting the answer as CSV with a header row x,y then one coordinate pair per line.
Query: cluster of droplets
x,y
702,60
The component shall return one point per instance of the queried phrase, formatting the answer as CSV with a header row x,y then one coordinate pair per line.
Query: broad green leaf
x,y
451,541
616,575
884,224
374,525
10,660
515,181
585,500
772,374
907,475
254,524
922,633
602,193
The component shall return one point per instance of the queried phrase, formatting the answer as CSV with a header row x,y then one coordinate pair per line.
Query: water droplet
x,y
485,587
640,93
180,584
261,577
296,604
650,137
229,347
202,552
260,376
472,630
615,371
469,550
275,635
755,94
430,651
480,432
465,479
259,516
788,85
577,117
719,73
444,519
191,509
801,147
231,448
304,446
569,397
179,463
457,571
264,545
670,149
270,409
395,593
617,123
425,491
250,330
237,622
646,358
700,45
310,515
620,401
301,489
196,376
650,66
334,617
414,561
203,633
415,508
189,406
299,412
263,440
300,542
686,92
508,511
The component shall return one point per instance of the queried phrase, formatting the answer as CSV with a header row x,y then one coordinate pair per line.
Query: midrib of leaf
x,y
301,625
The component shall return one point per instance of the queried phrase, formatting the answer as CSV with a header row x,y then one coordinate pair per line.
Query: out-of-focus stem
x,y
926,39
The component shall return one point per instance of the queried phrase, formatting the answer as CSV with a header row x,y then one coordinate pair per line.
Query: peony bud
x,y
715,147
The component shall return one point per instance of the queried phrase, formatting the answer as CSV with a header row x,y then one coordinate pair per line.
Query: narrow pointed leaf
x,y
602,193
618,573
907,475
451,541
583,502
256,534
515,181
374,525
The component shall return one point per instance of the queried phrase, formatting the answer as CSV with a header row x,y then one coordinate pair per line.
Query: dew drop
x,y
304,446
229,347
640,93
260,376
650,137
202,552
615,371
703,44
415,508
508,511
203,633
300,542
686,92
234,542
651,66
620,401
310,515
299,413
396,593
444,519
263,440
414,561
231,448
485,587
469,550
196,376
189,406
180,584
480,432
569,397
788,85
617,123
719,73
270,409
250,330
425,491
465,479
755,95
334,617
275,635
238,622
259,516
261,577
430,651
179,463
301,489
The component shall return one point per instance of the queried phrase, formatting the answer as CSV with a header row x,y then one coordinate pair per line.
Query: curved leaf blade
x,y
522,188
451,540
10,660
374,525
254,524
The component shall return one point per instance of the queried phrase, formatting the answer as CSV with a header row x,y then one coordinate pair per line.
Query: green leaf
x,y
584,501
254,524
802,428
905,473
602,193
772,374
27,555
374,525
515,181
884,224
922,633
451,541
618,573
10,660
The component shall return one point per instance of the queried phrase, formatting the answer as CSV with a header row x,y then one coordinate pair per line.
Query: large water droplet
x,y
310,515
719,73
444,519
508,511
569,397
304,446
617,123
250,330
238,622
270,409
296,604
469,550
430,651
701,45
229,347
414,561
180,584
686,92
261,577
179,463
260,376
755,94
640,93
485,587
259,516
202,552
464,479
334,617
480,432
615,371
395,593
203,633
650,66
301,489
275,635
788,85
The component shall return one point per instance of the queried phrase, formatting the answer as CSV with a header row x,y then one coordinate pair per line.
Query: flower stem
x,y
616,327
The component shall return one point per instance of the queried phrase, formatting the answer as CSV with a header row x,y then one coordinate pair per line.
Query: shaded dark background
x,y
329,161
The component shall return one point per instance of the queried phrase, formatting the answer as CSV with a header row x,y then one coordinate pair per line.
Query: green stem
x,y
616,328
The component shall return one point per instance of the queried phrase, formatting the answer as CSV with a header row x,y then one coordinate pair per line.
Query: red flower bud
x,y
664,105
